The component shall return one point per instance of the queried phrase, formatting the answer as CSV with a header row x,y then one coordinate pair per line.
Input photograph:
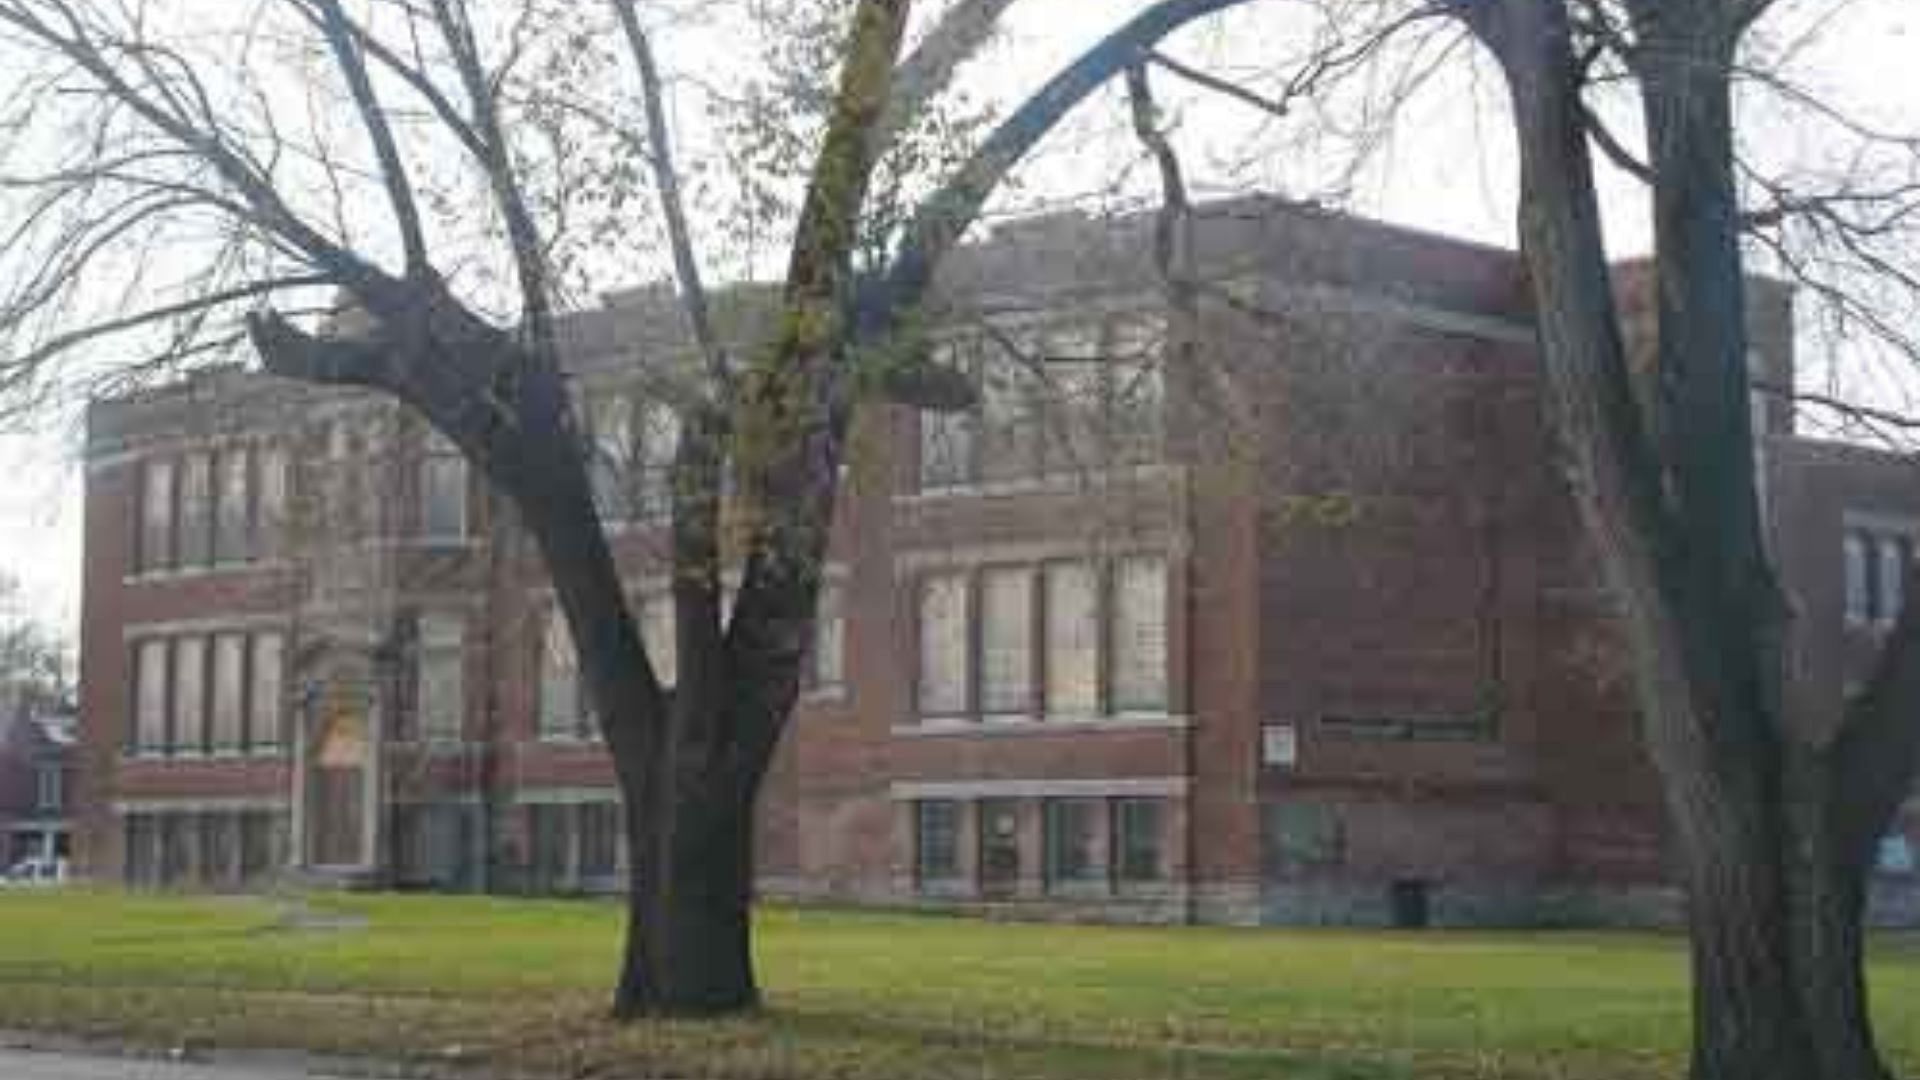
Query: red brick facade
x,y
1382,686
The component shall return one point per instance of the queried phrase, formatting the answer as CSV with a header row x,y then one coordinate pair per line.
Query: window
x,y
142,840
177,836
999,845
47,788
219,849
196,510
560,712
1070,400
1876,564
439,688
1138,838
1136,400
1140,635
1071,841
943,645
610,433
658,628
156,515
827,670
265,706
1074,408
229,692
1073,639
190,694
599,839
270,502
230,539
1086,651
1011,423
547,847
937,839
258,844
659,443
1006,641
150,735
443,491
947,443
1896,552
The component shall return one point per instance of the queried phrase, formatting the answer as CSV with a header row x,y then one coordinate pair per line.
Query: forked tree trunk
x,y
1775,876
1827,879
689,944
1747,1020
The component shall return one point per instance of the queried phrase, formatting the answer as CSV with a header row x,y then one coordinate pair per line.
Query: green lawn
x,y
522,984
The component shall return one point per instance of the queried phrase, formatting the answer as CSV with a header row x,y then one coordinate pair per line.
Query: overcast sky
x,y
1448,169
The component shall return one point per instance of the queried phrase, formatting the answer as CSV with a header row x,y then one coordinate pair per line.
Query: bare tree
x,y
33,658
1776,816
166,141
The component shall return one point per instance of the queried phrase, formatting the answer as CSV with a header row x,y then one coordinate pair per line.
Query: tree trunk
x,y
689,908
1827,899
1747,1020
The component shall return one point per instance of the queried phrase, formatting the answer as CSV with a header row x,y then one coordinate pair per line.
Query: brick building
x,y
1304,634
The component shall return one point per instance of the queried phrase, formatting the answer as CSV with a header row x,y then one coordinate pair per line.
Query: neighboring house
x,y
1310,635
36,787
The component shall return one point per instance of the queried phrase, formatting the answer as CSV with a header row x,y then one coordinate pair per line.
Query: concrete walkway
x,y
39,1065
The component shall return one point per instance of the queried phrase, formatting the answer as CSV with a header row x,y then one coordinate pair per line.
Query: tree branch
x,y
341,40
666,176
929,69
944,217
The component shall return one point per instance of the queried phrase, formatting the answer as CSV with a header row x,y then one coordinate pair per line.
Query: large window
x,y
1006,641
1140,635
1071,399
439,682
1072,841
196,509
443,491
270,501
1101,650
632,443
150,734
1073,639
943,645
232,541
156,514
599,839
229,693
827,667
190,694
1139,840
202,848
47,790
937,840
1000,860
1876,563
560,711
208,508
266,706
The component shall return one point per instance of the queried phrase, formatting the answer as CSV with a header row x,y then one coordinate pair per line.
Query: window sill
x,y
194,573
569,742
825,695
991,726
1049,484
442,746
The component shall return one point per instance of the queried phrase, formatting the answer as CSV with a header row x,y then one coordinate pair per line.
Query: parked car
x,y
36,871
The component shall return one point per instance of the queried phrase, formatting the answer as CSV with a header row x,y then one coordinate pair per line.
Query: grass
x,y
521,986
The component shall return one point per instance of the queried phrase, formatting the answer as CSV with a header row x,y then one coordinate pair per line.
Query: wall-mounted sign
x,y
1279,745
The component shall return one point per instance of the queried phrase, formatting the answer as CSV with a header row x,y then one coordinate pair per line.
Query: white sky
x,y
1448,170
